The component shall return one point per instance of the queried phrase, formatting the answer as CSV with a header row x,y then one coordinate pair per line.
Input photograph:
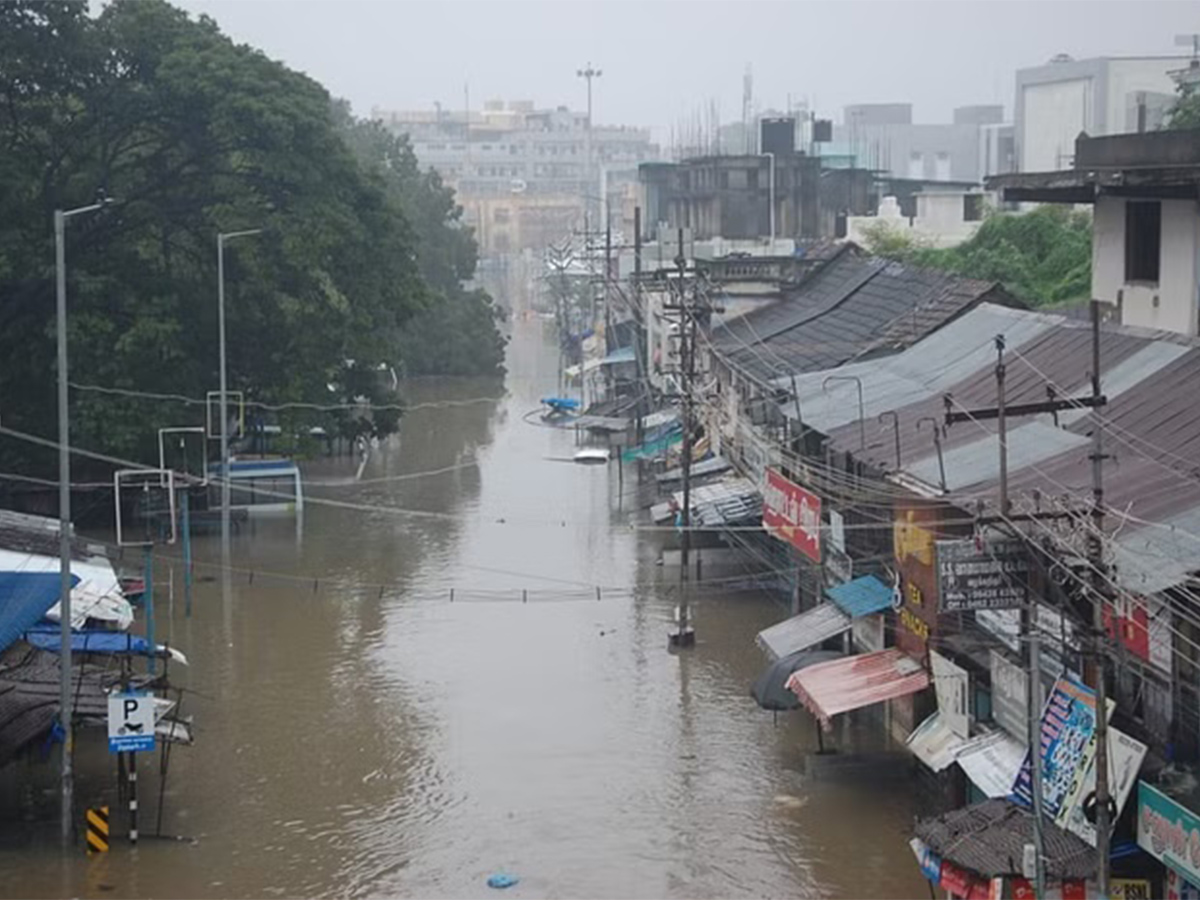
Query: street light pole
x,y
589,73
224,402
771,196
64,514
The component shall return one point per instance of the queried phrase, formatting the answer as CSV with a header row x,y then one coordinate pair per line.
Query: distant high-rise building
x,y
520,173
884,138
1056,102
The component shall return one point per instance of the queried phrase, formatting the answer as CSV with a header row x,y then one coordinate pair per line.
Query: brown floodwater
x,y
360,733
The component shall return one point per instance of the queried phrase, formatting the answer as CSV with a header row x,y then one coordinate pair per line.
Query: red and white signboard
x,y
792,514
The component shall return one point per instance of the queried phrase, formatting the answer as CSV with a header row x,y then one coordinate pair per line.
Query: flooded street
x,y
361,733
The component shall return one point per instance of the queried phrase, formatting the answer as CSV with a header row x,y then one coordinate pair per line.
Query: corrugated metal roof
x,y
969,464
944,359
990,837
808,629
850,306
861,597
857,681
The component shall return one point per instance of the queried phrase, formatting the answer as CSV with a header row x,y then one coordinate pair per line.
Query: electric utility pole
x,y
1029,626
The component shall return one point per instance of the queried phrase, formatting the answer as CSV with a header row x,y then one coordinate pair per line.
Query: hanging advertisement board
x,y
792,514
988,576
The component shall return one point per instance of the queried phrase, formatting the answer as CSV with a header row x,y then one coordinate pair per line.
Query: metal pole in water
x,y
187,555
148,602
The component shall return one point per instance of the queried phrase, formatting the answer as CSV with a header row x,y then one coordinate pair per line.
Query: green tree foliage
x,y
1185,113
456,333
1042,257
194,135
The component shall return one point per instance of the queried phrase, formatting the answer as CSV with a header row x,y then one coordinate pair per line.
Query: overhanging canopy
x,y
24,599
990,760
806,630
861,596
933,743
857,681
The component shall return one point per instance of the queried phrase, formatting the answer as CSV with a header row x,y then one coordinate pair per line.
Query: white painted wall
x,y
1055,113
1128,76
939,221
1178,289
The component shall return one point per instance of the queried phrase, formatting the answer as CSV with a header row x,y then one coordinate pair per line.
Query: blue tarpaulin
x,y
24,599
89,640
861,597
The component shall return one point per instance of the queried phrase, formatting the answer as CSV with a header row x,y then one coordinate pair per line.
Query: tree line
x,y
360,267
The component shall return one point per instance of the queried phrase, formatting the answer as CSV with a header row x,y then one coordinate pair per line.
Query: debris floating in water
x,y
502,880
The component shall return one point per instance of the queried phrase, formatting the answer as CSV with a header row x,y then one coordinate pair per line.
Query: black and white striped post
x,y
133,799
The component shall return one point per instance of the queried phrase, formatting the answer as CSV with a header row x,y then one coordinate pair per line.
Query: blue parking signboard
x,y
130,722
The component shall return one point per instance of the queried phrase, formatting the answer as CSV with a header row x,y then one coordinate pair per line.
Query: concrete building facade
x,y
1146,233
732,197
1056,102
519,171
883,137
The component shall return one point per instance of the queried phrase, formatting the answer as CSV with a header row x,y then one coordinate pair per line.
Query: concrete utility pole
x,y
685,636
588,73
1029,624
1099,593
225,492
771,195
65,713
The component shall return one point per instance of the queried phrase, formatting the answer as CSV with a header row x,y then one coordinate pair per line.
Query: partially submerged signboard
x,y
991,575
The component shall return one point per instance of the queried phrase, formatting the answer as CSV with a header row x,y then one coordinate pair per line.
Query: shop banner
x,y
1010,703
1125,755
1128,889
950,685
1068,724
930,862
1168,831
1179,888
792,514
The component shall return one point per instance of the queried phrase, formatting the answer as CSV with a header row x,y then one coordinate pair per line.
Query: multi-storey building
x,y
510,163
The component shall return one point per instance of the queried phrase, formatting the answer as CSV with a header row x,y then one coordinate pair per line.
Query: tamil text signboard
x,y
1168,831
792,514
987,576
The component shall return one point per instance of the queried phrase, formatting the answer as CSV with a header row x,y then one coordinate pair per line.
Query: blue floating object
x,y
502,880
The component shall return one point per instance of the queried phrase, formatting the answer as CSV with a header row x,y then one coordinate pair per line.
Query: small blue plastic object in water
x,y
502,880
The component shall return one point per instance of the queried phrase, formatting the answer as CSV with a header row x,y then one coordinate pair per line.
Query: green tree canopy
x,y
1185,113
1042,257
194,135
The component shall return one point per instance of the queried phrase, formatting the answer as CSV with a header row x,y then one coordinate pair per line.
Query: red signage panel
x,y
792,514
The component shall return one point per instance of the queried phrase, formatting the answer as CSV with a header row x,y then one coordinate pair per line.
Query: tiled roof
x,y
989,839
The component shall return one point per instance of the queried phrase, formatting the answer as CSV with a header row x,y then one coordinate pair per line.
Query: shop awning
x,y
857,681
991,762
806,630
933,743
24,599
862,596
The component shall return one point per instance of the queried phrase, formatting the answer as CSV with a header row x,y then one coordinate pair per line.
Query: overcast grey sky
x,y
663,59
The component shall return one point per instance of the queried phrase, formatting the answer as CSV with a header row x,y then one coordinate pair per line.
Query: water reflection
x,y
362,735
